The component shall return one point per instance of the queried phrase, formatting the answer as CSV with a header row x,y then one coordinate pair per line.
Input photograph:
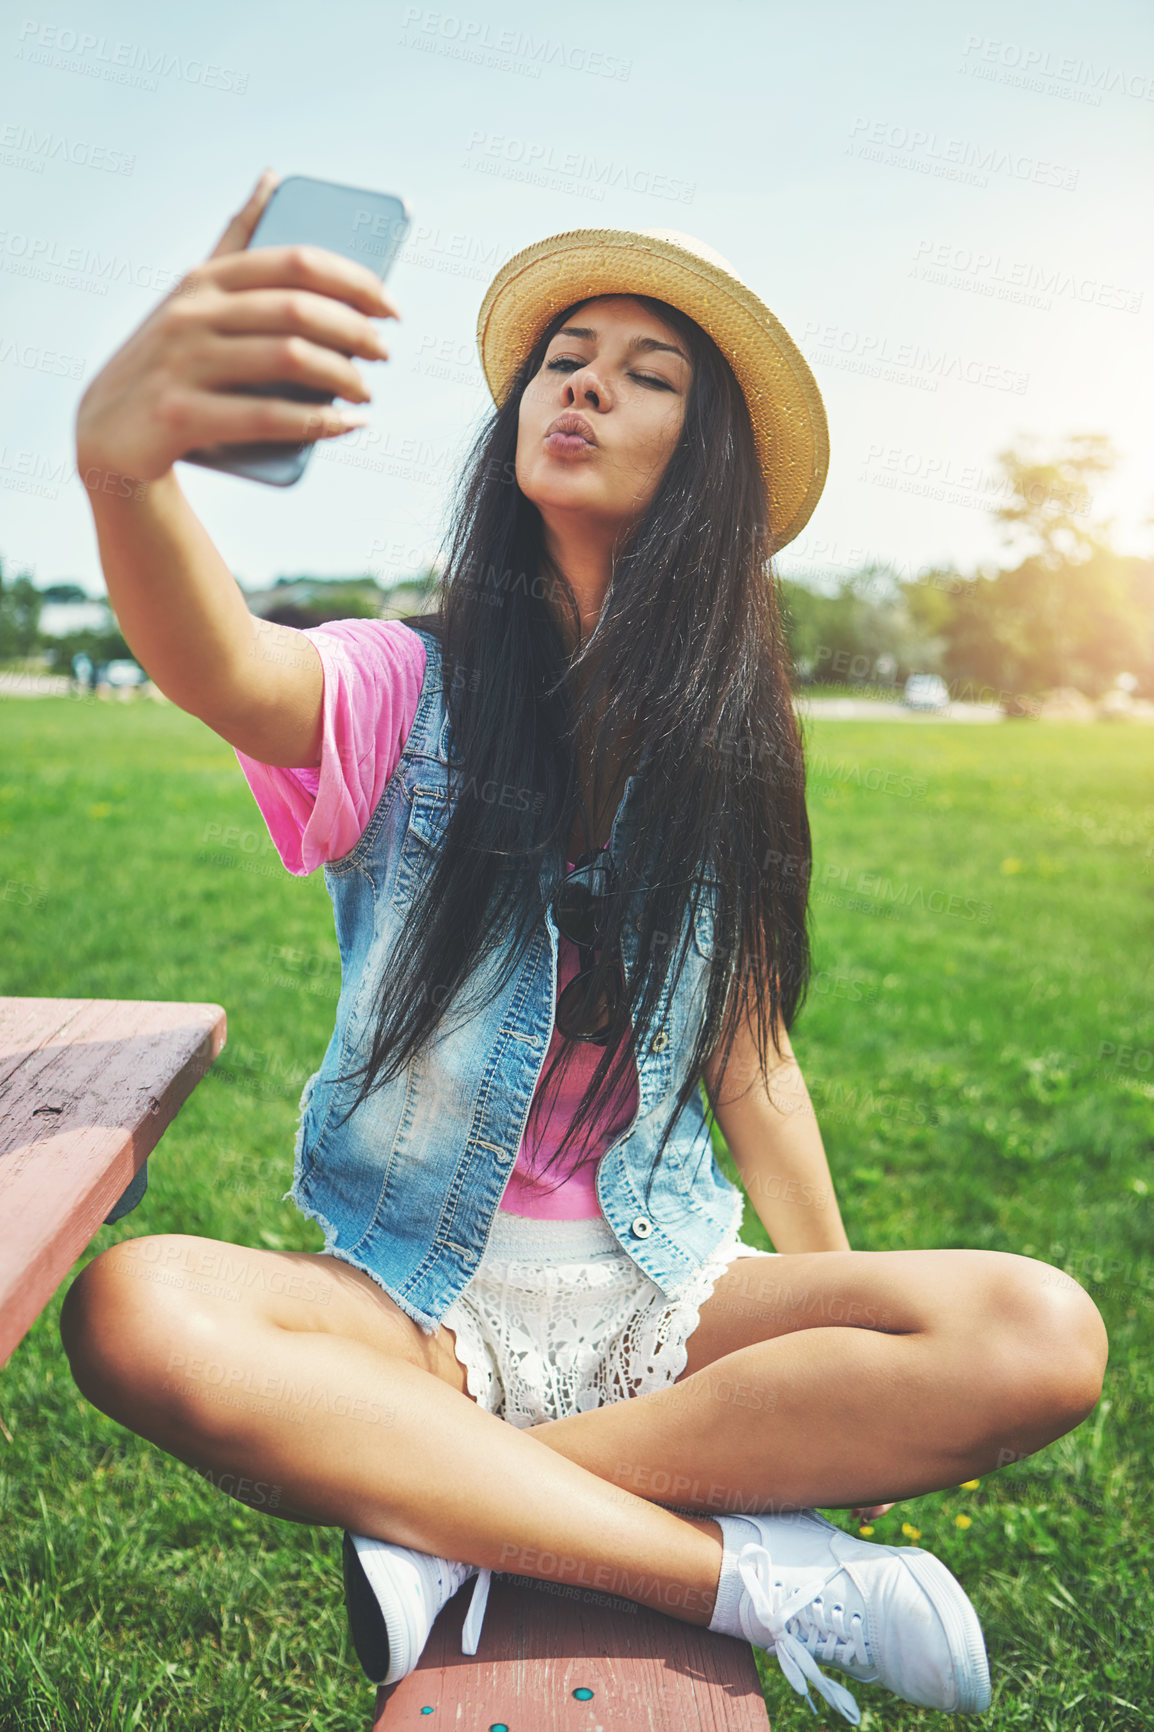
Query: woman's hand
x,y
874,1509
241,318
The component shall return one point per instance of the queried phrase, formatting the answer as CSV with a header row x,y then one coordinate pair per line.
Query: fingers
x,y
299,312
305,267
225,362
239,230
209,417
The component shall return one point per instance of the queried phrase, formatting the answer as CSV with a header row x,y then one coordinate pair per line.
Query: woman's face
x,y
624,375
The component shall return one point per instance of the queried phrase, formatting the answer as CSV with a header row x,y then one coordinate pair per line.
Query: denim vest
x,y
407,1187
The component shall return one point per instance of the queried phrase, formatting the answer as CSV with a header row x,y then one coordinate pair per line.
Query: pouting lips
x,y
572,424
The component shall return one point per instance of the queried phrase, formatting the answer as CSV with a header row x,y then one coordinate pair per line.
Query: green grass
x,y
980,1050
874,691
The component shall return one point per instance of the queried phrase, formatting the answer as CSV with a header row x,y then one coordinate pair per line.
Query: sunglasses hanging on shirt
x,y
580,906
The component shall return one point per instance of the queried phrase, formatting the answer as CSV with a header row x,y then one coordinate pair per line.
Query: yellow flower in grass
x,y
911,1532
971,1484
866,1530
963,1521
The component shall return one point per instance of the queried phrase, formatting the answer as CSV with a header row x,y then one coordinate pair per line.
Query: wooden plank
x,y
31,1023
87,1088
539,1643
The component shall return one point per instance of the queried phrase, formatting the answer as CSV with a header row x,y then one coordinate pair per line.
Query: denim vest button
x,y
641,1227
659,1042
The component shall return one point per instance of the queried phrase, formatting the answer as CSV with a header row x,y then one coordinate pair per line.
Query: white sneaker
x,y
890,1615
392,1597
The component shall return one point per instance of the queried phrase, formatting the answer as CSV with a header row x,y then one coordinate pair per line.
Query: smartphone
x,y
367,226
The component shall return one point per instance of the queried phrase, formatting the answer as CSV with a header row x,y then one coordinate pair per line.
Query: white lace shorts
x,y
557,1319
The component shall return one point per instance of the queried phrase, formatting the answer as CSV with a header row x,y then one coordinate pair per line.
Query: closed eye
x,y
646,378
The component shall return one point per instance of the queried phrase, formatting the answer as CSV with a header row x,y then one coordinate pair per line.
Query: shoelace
x,y
793,1652
793,1647
471,1629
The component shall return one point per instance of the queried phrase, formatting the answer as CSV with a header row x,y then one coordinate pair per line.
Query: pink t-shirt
x,y
373,673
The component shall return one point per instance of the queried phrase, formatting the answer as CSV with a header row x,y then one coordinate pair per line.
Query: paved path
x,y
874,710
34,685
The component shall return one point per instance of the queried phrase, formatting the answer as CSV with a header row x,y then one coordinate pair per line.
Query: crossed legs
x,y
826,1379
846,1378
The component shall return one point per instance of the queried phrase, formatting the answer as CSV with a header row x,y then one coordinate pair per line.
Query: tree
x,y
1050,509
1070,612
98,646
874,628
328,601
63,592
19,616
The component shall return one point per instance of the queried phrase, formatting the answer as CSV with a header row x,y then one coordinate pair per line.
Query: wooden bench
x,y
87,1088
560,1659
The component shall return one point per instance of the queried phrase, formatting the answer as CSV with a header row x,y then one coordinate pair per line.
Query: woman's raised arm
x,y
292,312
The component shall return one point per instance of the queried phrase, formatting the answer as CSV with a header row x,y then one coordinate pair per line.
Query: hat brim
x,y
790,431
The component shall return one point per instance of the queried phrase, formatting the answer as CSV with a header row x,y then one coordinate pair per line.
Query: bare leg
x,y
940,1366
297,1373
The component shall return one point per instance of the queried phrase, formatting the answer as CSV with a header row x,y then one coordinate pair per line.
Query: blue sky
x,y
947,207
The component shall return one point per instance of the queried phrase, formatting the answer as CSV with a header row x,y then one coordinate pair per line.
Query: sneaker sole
x,y
369,1618
949,1599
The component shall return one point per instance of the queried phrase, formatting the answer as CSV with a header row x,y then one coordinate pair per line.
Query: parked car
x,y
926,692
122,673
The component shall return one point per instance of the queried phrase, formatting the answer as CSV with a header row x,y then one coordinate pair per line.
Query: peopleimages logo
x,y
23,146
1066,75
914,147
909,363
130,63
475,40
528,159
871,893
1019,280
79,267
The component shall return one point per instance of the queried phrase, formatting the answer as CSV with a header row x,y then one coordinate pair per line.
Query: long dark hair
x,y
688,667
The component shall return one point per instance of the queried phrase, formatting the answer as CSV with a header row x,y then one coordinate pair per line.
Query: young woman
x,y
562,821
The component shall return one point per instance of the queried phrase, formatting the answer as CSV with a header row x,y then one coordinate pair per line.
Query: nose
x,y
584,387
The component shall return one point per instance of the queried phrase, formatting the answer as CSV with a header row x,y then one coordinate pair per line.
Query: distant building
x,y
303,601
66,608
62,618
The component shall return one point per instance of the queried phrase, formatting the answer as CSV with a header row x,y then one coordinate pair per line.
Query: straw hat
x,y
785,406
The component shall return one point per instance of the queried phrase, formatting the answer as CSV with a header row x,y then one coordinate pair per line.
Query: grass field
x,y
980,1051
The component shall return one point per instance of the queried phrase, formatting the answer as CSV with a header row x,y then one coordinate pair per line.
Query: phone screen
x,y
366,226
369,227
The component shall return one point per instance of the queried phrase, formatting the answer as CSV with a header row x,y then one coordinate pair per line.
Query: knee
x,y
97,1320
123,1329
1047,1347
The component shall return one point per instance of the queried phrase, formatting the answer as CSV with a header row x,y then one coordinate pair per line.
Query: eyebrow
x,y
635,344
